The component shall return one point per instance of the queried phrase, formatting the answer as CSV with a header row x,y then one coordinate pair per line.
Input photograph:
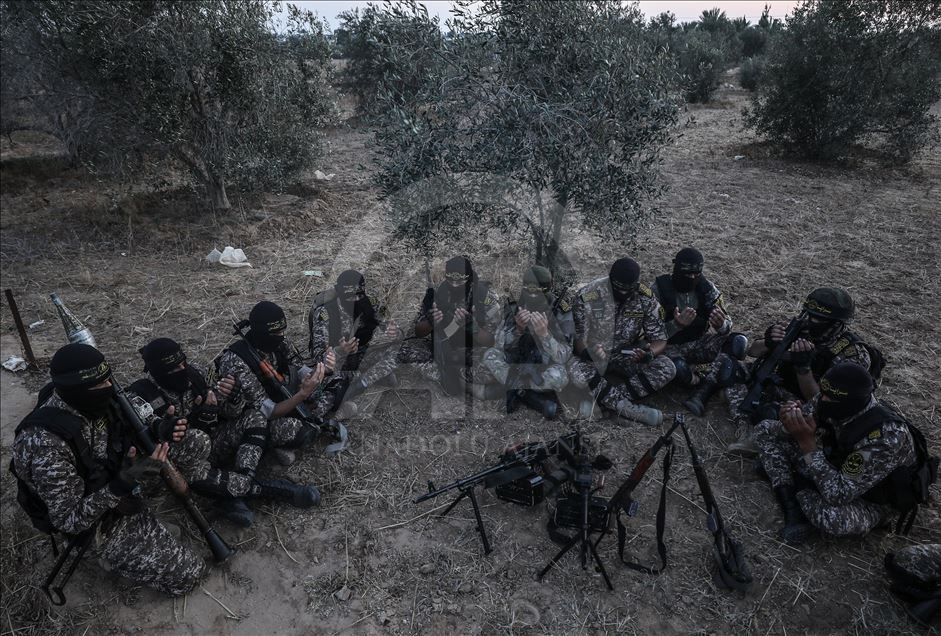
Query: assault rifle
x,y
515,463
275,383
764,372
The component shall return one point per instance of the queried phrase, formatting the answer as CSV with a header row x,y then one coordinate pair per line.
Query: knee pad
x,y
736,345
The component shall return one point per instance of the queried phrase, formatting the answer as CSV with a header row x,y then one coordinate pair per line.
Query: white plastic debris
x,y
739,157
36,325
14,364
230,257
313,272
320,176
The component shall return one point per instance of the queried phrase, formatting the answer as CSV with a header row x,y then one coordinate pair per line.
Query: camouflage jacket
x,y
318,324
251,393
600,319
556,347
871,460
46,463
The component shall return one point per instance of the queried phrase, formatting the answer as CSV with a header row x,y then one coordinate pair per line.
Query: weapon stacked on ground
x,y
171,476
765,371
275,382
513,477
731,569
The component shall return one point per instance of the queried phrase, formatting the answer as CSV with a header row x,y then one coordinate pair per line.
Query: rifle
x,y
732,571
170,475
274,381
515,463
764,372
623,502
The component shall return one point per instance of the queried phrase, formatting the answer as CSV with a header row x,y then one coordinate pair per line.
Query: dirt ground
x,y
130,262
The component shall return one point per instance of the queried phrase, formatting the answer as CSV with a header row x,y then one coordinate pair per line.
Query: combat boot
x,y
796,528
697,401
542,401
283,490
235,511
646,415
744,446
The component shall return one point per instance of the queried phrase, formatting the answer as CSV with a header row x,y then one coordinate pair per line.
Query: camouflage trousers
x,y
553,377
141,549
781,458
703,350
640,379
197,460
418,353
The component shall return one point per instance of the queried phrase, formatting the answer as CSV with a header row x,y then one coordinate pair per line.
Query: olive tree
x,y
221,87
566,98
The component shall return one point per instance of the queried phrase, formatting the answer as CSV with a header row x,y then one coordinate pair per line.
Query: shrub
x,y
749,74
845,72
701,57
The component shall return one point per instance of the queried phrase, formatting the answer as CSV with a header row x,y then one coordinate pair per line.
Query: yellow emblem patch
x,y
590,296
850,352
564,305
876,434
633,314
839,345
643,289
853,464
323,314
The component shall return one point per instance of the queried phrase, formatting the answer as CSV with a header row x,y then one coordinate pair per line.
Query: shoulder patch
x,y
849,352
324,314
591,296
853,464
564,305
643,289
839,345
876,434
488,299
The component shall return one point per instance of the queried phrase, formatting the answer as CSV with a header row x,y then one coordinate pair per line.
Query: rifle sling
x,y
661,521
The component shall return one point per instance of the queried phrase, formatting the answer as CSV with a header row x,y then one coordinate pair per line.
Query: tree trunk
x,y
217,194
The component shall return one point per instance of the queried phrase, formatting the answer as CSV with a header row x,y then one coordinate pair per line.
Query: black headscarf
x,y
75,369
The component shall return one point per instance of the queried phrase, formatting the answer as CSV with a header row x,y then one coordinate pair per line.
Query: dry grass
x,y
771,230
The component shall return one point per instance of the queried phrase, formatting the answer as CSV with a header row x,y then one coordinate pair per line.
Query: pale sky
x,y
685,11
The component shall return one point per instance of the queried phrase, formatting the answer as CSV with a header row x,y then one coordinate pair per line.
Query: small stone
x,y
428,568
343,594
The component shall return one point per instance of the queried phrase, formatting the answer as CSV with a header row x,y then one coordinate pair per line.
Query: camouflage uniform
x,y
202,450
706,347
252,431
839,347
836,507
372,361
599,319
136,546
555,349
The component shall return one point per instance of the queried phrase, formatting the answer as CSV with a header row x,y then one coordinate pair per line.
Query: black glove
x,y
162,429
771,344
132,471
802,359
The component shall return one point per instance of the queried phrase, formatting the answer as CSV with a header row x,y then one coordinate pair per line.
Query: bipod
x,y
79,542
469,492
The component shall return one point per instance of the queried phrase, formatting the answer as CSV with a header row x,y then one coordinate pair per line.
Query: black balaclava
x,y
75,369
537,289
161,359
351,288
459,278
688,261
266,320
849,387
624,277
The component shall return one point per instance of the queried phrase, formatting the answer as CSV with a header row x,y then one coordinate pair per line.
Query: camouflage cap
x,y
830,303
